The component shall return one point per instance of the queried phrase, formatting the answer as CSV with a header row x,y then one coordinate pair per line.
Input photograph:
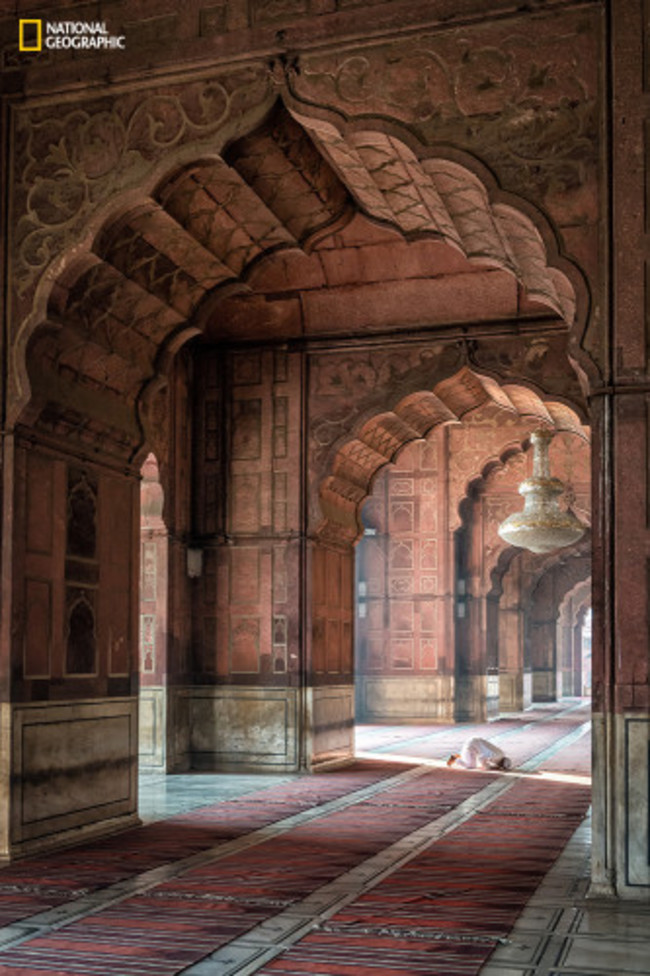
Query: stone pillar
x,y
514,691
542,633
576,659
492,639
243,698
182,579
471,685
514,684
471,628
621,695
565,645
621,409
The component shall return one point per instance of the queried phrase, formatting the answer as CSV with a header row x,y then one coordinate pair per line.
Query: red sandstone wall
x,y
75,605
404,575
247,515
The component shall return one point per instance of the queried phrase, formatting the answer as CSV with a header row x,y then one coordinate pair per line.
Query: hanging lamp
x,y
542,526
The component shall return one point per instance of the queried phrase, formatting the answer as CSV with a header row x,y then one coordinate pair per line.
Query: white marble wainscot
x,y
634,764
74,771
492,695
544,686
419,698
512,691
330,725
231,728
470,698
152,727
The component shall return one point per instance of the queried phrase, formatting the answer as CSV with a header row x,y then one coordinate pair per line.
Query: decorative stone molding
x,y
526,103
71,161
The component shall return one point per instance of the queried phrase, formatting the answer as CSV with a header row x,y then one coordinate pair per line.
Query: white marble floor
x,y
162,796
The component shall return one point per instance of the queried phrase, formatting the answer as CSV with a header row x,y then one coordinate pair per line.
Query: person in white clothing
x,y
478,753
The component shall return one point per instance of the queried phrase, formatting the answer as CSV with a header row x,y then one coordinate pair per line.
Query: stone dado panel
x,y
77,766
151,726
514,691
237,728
636,766
332,722
544,685
423,699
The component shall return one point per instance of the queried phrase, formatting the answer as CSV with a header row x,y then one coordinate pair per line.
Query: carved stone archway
x,y
272,254
184,258
574,608
424,588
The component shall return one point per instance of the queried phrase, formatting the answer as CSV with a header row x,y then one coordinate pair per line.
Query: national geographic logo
x,y
78,35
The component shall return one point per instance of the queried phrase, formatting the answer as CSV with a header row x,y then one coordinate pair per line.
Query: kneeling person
x,y
478,753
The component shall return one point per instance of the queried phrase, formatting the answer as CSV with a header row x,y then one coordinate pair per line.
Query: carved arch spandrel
x,y
525,101
96,162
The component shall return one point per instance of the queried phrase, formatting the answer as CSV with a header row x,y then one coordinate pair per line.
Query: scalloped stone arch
x,y
548,564
580,591
147,275
559,416
394,183
380,439
571,567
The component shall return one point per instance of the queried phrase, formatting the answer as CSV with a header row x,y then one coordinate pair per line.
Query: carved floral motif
x,y
524,101
71,160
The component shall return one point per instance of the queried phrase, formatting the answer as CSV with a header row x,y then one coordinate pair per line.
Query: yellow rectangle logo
x,y
30,39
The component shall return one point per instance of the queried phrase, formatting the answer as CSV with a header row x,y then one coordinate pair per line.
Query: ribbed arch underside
x,y
442,198
380,439
161,270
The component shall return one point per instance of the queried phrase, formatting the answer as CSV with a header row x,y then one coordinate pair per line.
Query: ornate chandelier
x,y
542,526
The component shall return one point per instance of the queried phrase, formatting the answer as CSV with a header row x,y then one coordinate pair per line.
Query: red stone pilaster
x,y
622,536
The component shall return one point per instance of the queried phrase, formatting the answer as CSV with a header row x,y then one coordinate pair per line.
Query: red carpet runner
x,y
440,914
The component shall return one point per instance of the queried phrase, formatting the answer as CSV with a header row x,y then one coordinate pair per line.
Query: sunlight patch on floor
x,y
550,775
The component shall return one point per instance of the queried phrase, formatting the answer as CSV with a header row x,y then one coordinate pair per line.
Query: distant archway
x,y
574,642
380,439
154,571
425,580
